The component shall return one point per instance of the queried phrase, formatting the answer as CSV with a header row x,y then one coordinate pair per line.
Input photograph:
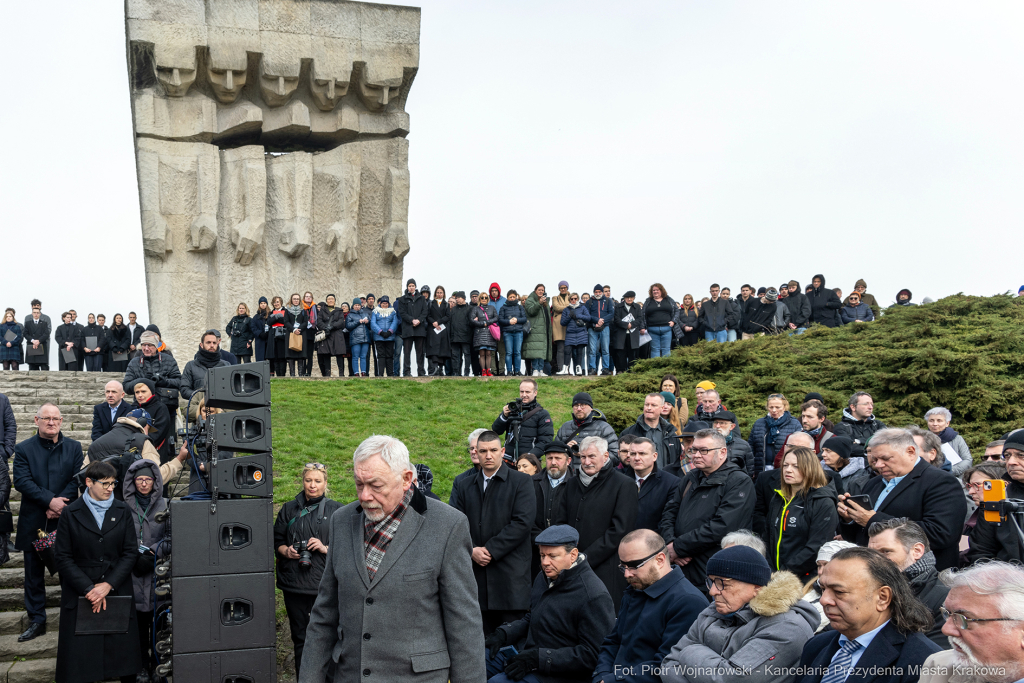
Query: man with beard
x,y
985,627
905,543
657,610
208,356
876,624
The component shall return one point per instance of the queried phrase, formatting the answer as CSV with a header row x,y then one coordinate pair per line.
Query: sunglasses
x,y
315,466
636,564
992,458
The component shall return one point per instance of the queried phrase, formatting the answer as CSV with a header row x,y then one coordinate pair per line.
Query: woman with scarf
x,y
10,349
93,355
309,331
260,326
358,325
120,343
300,321
280,323
769,433
346,357
143,494
239,330
383,323
938,420
96,550
303,530
439,347
575,318
331,321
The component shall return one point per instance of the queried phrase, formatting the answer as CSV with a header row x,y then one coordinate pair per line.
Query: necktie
x,y
639,483
840,667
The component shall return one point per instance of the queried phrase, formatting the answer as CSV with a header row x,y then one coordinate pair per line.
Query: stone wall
x,y
271,151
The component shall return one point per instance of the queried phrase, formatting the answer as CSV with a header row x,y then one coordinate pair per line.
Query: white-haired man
x,y
412,614
985,624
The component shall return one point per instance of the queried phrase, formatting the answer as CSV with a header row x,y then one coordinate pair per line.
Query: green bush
x,y
963,352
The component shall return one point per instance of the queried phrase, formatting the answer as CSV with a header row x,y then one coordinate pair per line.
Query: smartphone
x,y
862,500
993,490
508,651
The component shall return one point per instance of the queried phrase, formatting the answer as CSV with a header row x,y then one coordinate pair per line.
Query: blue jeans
x,y
513,349
719,337
599,341
359,352
731,336
537,364
661,340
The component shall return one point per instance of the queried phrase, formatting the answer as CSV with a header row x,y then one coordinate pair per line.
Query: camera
x,y
515,409
305,556
195,435
573,449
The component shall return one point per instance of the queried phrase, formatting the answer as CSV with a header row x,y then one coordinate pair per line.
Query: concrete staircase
x,y
75,393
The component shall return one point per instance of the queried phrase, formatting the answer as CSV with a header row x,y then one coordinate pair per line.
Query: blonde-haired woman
x,y
239,329
686,330
302,534
801,514
768,435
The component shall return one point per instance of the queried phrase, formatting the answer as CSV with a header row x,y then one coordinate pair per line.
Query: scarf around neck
x,y
294,310
310,310
947,435
926,562
775,425
207,359
98,508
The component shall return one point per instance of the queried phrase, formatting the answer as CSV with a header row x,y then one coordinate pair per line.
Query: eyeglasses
x,y
143,480
49,419
705,451
315,466
636,564
963,623
972,486
108,485
716,582
992,458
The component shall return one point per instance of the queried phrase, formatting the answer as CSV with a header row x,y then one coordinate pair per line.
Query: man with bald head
x,y
657,610
104,415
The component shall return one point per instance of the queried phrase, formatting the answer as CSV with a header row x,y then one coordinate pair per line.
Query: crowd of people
x,y
485,333
679,548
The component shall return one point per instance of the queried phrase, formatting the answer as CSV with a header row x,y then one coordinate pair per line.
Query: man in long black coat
x,y
501,507
601,504
44,467
413,309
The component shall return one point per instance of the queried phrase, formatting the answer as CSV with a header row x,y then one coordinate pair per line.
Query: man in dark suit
x,y
910,487
501,507
876,620
601,504
136,331
654,487
44,467
104,415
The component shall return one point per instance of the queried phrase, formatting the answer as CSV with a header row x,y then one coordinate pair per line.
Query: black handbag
x,y
167,393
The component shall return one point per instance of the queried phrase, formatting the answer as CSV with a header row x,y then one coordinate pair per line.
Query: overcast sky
x,y
612,142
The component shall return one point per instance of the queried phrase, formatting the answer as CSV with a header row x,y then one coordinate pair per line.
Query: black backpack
x,y
120,462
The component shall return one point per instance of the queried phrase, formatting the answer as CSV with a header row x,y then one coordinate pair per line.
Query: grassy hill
x,y
965,353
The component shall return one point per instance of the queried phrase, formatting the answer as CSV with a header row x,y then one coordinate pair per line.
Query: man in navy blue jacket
x,y
602,313
657,610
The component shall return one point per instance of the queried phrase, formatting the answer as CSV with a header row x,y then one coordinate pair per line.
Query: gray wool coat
x,y
754,645
418,621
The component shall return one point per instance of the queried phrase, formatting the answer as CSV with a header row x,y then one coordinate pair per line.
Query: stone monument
x,y
271,152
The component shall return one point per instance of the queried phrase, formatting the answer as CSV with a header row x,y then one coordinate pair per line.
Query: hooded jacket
x,y
149,531
498,301
764,638
824,304
798,527
799,307
910,296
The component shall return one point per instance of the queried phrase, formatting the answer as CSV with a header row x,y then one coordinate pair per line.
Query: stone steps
x,y
14,623
14,577
43,646
30,671
13,599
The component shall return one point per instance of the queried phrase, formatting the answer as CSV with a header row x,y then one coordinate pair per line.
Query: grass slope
x,y
964,353
324,421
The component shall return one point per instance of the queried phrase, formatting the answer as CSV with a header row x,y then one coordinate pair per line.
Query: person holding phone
x,y
96,549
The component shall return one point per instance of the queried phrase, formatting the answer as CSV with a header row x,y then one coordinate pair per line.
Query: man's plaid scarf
x,y
377,536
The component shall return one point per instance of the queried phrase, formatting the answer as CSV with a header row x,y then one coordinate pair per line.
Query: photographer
x,y
160,368
527,424
301,536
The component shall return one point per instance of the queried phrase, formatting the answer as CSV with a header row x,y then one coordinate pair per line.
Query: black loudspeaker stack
x,y
219,580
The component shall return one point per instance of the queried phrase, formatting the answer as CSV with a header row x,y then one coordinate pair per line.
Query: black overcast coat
x,y
413,307
653,497
602,513
501,520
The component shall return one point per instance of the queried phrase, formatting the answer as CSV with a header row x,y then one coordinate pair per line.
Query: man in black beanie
x,y
586,421
991,541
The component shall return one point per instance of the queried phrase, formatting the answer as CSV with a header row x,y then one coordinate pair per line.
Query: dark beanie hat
x,y
761,291
385,299
740,563
598,288
1014,440
357,302
840,445
410,281
263,300
149,383
814,396
583,398
144,471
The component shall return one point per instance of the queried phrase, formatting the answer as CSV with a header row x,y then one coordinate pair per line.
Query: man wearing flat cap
x,y
587,421
571,613
548,490
629,319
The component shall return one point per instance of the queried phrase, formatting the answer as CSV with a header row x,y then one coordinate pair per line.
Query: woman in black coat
x,y
260,329
240,331
95,561
280,324
439,347
5,505
299,324
93,355
161,432
66,337
305,519
686,329
119,341
626,335
330,320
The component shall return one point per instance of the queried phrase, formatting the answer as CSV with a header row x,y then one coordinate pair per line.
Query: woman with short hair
x,y
802,515
260,330
938,420
239,329
330,320
10,349
358,325
67,338
575,318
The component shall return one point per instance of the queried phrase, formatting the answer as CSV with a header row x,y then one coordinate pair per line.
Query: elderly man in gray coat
x,y
397,601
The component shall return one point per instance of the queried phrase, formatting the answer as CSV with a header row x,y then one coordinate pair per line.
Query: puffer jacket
x,y
797,529
148,531
685,317
358,333
383,319
162,366
824,305
509,311
764,450
851,314
480,317
239,329
576,334
765,638
315,523
537,344
193,379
